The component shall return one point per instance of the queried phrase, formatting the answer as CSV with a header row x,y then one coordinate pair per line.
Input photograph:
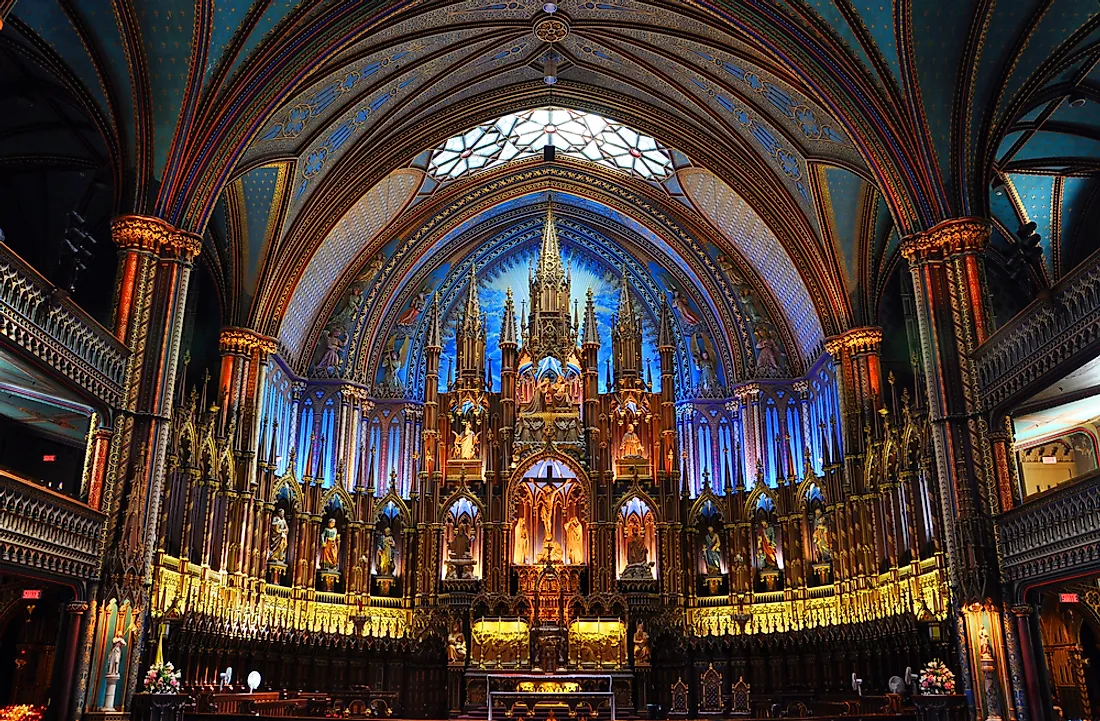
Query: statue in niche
x,y
456,644
683,309
280,533
523,540
768,356
631,447
460,562
330,546
392,363
574,541
748,304
712,552
568,430
705,363
545,507
466,444
641,645
821,537
386,552
638,567
765,546
114,658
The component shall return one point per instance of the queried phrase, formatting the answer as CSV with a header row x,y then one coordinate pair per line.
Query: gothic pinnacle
x,y
590,334
508,323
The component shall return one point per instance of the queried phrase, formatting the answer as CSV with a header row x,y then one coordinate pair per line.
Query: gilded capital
x,y
141,232
242,341
855,340
958,235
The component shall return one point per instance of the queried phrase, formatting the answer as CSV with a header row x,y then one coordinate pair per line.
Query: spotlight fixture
x,y
550,69
1077,100
998,185
550,8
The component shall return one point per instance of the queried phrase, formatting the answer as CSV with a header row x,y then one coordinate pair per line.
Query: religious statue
x,y
466,444
765,546
330,546
114,658
985,651
460,563
641,646
821,537
456,644
638,567
767,351
410,315
545,507
387,550
523,540
391,368
712,552
631,446
280,532
574,541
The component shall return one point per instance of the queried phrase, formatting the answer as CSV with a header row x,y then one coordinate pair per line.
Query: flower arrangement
x,y
162,678
936,678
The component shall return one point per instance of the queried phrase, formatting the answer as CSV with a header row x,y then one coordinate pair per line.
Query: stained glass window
x,y
572,132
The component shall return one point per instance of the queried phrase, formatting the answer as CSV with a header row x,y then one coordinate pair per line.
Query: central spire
x,y
550,268
472,320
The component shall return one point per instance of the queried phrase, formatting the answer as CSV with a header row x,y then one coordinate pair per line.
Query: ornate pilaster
x,y
856,353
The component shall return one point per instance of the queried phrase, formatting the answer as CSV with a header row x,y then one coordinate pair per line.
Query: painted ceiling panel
x,y
228,15
166,29
261,191
1035,194
752,237
939,34
1058,148
48,20
878,19
843,192
341,245
828,10
276,11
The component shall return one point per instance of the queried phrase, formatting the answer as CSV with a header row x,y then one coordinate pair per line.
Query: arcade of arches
x,y
603,358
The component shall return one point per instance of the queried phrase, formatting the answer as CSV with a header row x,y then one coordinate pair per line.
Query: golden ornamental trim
x,y
142,232
856,340
243,341
951,237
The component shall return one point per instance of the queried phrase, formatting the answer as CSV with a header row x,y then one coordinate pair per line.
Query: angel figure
x,y
335,340
687,316
767,351
523,540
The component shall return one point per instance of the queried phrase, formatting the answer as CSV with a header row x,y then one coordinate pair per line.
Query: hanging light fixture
x,y
550,68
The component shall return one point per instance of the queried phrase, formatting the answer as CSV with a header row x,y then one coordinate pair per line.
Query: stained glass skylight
x,y
572,132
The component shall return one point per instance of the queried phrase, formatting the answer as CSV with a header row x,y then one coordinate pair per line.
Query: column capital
x,y
142,232
950,237
242,341
77,608
856,340
1022,610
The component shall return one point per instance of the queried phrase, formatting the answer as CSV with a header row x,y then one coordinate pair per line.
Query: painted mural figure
x,y
466,444
767,351
412,313
330,546
386,551
821,537
280,532
687,315
765,546
631,446
712,552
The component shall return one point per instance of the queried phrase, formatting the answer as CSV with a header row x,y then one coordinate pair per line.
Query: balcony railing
x,y
58,332
46,531
1055,533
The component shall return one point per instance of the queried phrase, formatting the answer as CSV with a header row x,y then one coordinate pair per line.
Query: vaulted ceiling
x,y
828,129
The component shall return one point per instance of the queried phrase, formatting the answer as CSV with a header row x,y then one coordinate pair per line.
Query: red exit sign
x,y
1068,597
49,458
32,594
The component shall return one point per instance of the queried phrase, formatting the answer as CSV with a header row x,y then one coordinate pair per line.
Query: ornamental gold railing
x,y
244,604
47,531
56,331
1054,533
924,595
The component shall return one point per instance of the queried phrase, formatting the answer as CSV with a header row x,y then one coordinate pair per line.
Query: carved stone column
x,y
155,261
859,377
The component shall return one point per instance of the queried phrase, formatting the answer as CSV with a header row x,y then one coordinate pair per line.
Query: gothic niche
x,y
331,545
709,529
550,511
387,552
767,549
462,541
636,541
277,556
